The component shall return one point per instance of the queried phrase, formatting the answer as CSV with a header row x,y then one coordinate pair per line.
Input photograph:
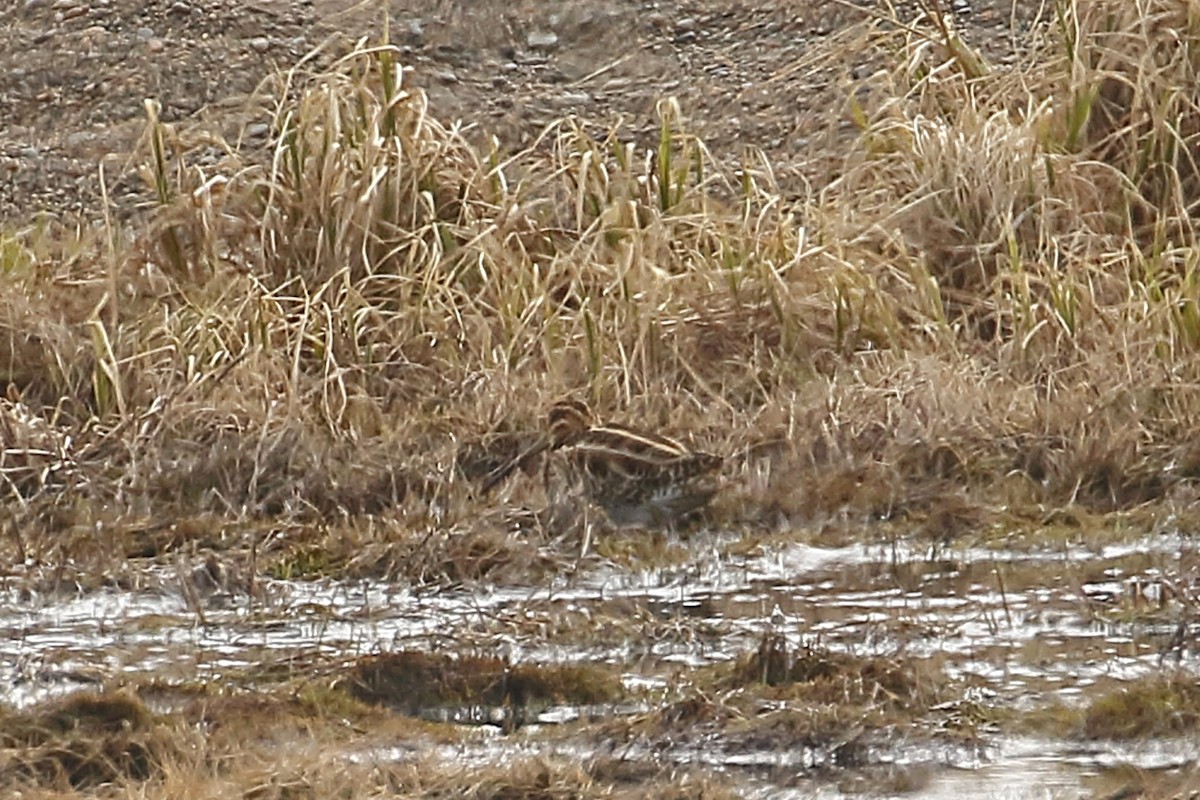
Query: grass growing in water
x,y
994,304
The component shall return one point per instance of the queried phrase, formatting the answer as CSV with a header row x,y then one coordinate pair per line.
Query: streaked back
x,y
567,421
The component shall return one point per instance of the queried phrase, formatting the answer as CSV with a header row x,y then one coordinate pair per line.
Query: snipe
x,y
637,477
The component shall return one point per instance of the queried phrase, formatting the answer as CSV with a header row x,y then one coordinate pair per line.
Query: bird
x,y
638,477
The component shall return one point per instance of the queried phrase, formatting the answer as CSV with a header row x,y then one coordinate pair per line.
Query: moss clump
x,y
85,714
1153,707
306,563
418,682
322,700
828,677
85,740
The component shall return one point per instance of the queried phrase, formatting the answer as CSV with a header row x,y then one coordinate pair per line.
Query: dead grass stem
x,y
999,287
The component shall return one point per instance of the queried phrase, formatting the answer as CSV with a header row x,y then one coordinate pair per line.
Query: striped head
x,y
567,421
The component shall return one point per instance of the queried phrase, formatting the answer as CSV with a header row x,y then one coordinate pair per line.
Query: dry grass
x,y
1000,285
1165,705
785,699
1155,706
996,303
267,746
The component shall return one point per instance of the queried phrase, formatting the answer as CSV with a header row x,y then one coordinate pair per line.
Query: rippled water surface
x,y
1021,628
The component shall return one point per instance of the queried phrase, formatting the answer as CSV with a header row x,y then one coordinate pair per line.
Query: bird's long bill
x,y
500,473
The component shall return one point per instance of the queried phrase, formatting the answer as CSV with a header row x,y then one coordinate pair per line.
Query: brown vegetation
x,y
996,303
1161,705
417,683
83,741
818,707
997,292
1154,707
266,746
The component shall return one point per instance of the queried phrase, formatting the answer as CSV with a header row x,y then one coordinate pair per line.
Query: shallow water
x,y
1022,628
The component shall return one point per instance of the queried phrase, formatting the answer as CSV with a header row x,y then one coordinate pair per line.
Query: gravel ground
x,y
74,74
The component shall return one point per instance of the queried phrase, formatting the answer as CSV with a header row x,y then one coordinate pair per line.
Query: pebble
x,y
516,71
413,31
571,99
658,21
543,40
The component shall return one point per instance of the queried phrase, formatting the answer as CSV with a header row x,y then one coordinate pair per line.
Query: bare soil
x,y
74,74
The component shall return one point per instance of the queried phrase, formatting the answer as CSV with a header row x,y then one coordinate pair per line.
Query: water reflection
x,y
1028,626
